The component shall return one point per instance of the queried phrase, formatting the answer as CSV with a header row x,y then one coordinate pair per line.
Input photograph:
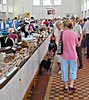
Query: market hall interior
x,y
27,28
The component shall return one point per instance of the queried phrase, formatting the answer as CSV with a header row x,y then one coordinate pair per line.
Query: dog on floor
x,y
45,66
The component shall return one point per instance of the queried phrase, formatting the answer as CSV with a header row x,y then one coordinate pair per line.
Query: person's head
x,y
77,19
59,25
87,18
27,22
32,22
81,21
73,20
11,30
53,35
53,38
32,18
15,18
67,24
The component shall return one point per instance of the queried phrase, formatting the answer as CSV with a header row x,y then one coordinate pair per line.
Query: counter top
x,y
14,62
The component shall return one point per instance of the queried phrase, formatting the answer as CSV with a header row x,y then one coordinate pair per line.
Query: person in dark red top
x,y
14,36
52,38
52,45
11,39
46,22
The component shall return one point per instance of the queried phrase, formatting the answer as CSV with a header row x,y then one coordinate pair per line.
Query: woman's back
x,y
13,36
70,40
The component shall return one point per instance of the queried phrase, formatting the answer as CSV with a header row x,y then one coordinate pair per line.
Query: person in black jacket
x,y
52,45
25,28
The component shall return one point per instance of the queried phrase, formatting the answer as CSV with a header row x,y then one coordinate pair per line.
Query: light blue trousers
x,y
65,64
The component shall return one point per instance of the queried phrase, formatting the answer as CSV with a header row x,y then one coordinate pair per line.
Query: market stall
x,y
16,81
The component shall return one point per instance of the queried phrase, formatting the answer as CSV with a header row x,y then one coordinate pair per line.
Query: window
x,y
85,6
4,1
88,5
81,7
47,2
57,2
0,7
36,2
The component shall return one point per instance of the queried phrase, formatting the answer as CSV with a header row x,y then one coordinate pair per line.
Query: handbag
x,y
60,45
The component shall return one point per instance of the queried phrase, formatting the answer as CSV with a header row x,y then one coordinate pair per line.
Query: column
x,y
6,3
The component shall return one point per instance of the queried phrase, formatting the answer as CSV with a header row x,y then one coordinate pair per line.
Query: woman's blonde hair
x,y
68,24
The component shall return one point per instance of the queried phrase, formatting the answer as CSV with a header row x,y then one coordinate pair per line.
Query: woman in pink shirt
x,y
69,56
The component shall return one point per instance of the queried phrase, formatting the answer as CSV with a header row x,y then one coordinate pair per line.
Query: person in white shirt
x,y
86,31
78,29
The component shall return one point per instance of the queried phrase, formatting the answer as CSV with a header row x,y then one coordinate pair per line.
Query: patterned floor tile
x,y
81,84
55,85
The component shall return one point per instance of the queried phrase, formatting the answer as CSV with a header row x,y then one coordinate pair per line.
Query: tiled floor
x,y
55,90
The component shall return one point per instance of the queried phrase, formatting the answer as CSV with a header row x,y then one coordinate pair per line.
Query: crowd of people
x,y
18,27
75,37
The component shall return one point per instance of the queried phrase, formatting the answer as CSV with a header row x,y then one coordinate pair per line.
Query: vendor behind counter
x,y
11,39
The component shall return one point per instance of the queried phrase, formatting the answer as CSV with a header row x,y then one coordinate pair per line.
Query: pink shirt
x,y
70,40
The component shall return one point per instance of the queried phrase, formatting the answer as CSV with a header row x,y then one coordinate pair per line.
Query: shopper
x,y
86,31
58,28
52,38
12,38
58,25
32,27
52,45
78,29
25,28
69,56
46,22
82,22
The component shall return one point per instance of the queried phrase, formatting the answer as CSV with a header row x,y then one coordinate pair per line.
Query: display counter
x,y
17,86
2,39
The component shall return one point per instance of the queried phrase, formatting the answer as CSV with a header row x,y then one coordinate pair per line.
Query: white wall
x,y
68,7
9,9
21,6
6,10
85,8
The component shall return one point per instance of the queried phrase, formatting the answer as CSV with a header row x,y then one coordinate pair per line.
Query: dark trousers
x,y
26,34
79,53
87,41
